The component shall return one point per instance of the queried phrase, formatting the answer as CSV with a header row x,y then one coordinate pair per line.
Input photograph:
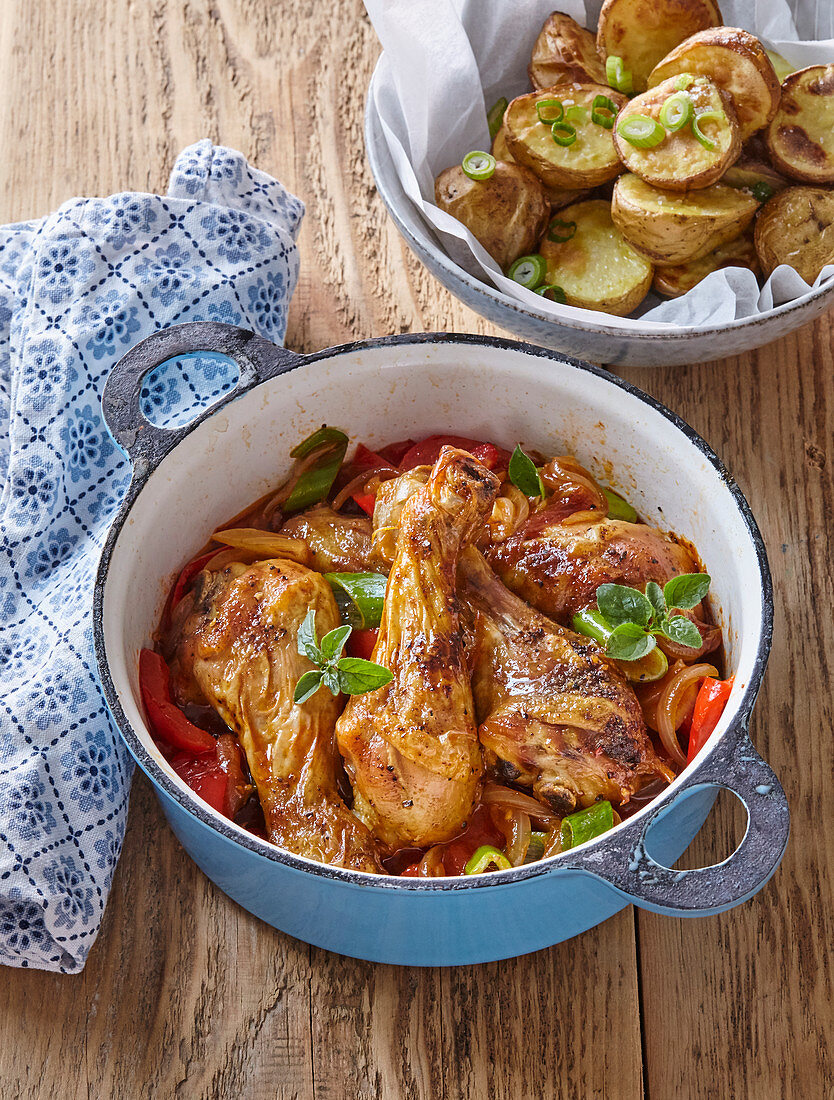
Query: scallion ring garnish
x,y
677,111
495,116
528,270
618,76
550,110
581,827
641,131
603,111
761,191
556,293
577,113
485,857
684,81
478,165
706,116
563,133
560,231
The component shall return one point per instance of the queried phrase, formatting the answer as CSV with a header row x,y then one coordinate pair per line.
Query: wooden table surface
x,y
186,995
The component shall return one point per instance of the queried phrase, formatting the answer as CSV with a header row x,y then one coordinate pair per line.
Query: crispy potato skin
x,y
680,162
643,32
596,268
671,228
800,139
564,53
672,282
507,213
556,196
590,161
736,61
796,227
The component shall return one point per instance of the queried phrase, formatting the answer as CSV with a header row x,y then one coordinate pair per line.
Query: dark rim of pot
x,y
193,805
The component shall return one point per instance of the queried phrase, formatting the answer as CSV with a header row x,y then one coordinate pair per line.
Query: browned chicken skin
x,y
411,748
337,543
554,714
234,641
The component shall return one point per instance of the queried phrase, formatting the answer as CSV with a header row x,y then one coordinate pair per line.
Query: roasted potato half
x,y
680,162
756,176
590,160
642,32
556,196
736,61
671,228
797,228
800,138
507,213
564,53
672,282
596,267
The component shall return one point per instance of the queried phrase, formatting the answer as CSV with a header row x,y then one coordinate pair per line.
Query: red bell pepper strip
x,y
427,451
366,501
393,452
166,718
204,776
709,706
361,643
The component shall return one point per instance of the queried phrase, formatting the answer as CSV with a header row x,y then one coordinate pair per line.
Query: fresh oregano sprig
x,y
638,619
352,675
523,473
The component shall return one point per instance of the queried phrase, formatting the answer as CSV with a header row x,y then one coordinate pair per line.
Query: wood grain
x,y
185,995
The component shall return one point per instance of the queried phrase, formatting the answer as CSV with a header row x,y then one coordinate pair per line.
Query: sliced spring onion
x,y
583,826
762,191
677,111
590,622
484,857
314,483
618,507
641,131
495,116
563,133
577,112
550,110
359,597
478,165
603,111
646,670
529,270
684,81
556,293
535,849
706,116
560,231
618,76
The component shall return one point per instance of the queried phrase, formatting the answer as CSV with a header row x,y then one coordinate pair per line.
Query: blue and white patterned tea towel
x,y
77,290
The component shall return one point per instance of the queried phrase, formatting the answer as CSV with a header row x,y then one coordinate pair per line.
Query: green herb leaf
x,y
333,643
330,679
524,475
620,604
629,642
687,590
682,631
308,685
618,507
356,675
654,594
307,643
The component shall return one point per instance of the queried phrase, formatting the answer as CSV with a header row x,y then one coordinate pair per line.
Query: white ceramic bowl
x,y
189,480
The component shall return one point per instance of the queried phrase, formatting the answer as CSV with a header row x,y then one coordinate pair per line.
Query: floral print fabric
x,y
77,290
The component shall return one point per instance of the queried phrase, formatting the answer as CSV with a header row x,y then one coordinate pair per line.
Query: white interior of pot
x,y
387,393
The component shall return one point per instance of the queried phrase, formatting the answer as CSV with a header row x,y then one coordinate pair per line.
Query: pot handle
x,y
145,443
624,863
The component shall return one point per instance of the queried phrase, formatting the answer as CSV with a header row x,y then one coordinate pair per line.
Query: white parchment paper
x,y
445,62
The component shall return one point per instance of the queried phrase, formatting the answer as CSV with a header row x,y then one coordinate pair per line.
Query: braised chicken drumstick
x,y
234,642
411,748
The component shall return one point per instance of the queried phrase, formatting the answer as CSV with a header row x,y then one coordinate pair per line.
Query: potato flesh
x,y
596,268
801,136
643,32
797,228
737,62
671,228
680,161
672,282
588,162
564,53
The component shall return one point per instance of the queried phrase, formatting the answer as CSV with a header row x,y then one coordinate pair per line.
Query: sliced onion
x,y
496,795
519,839
668,707
431,865
366,481
265,543
571,470
584,516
